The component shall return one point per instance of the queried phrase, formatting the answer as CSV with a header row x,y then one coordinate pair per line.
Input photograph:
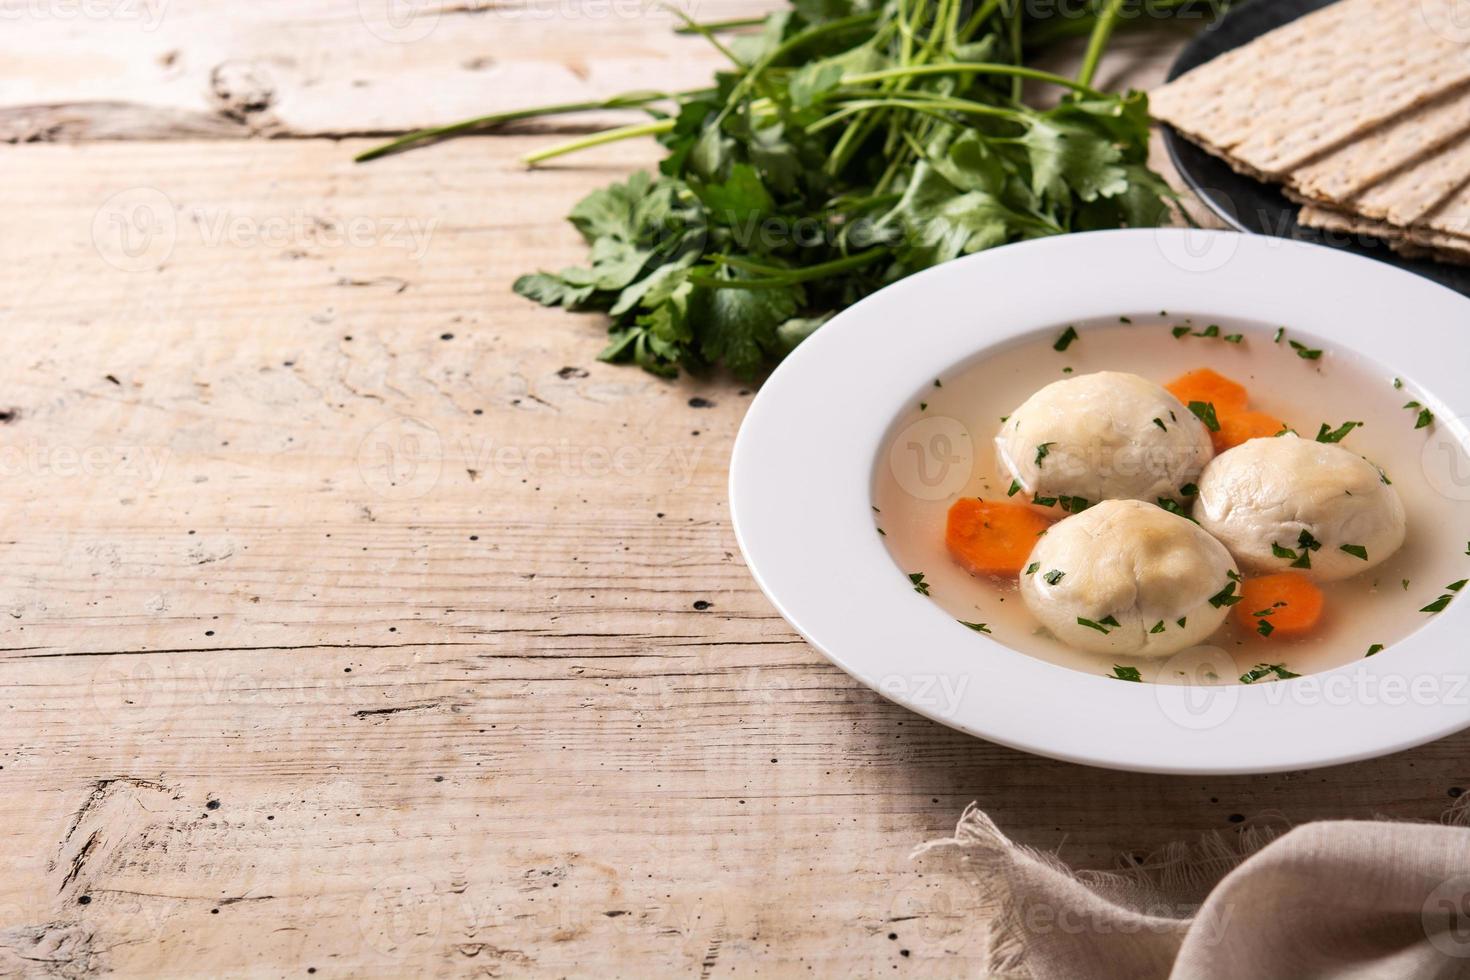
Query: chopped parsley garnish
x,y
1438,604
1109,621
1042,451
882,532
1356,550
1373,649
1279,552
1303,351
1181,621
1280,332
1325,434
920,586
937,384
1104,630
1158,627
1041,501
1160,424
1398,383
1188,490
1306,544
1266,670
1031,568
1425,417
1206,413
1015,488
1213,330
1065,340
1457,586
1054,576
1233,338
1122,673
977,627
1172,506
923,406
1074,505
1124,319
1226,596
1264,627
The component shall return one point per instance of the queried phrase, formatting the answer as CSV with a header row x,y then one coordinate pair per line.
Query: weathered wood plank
x,y
150,69
311,517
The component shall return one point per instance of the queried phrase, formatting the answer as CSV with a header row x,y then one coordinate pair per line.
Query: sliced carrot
x,y
1204,385
1238,426
1288,603
992,538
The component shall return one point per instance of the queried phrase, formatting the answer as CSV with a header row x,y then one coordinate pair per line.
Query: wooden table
x,y
358,621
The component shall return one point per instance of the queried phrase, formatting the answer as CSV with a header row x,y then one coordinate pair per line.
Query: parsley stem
x,y
979,17
1015,39
598,139
752,77
973,68
787,277
720,25
934,106
1101,32
708,35
627,100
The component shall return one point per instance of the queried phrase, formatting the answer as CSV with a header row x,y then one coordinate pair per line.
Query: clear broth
x,y
943,451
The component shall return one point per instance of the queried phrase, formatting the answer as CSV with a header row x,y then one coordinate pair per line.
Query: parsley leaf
x,y
1226,596
1065,340
1325,434
1266,670
1122,673
1206,413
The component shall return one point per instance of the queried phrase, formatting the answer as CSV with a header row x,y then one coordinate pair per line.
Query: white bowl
x,y
801,479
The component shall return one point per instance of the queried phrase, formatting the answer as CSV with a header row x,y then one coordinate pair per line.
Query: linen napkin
x,y
1356,900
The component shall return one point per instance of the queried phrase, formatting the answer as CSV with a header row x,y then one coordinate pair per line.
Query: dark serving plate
x,y
1247,204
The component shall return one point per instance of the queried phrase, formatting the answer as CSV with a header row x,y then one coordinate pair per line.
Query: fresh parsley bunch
x,y
848,145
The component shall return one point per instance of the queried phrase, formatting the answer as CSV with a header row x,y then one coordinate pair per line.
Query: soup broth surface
x,y
942,449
